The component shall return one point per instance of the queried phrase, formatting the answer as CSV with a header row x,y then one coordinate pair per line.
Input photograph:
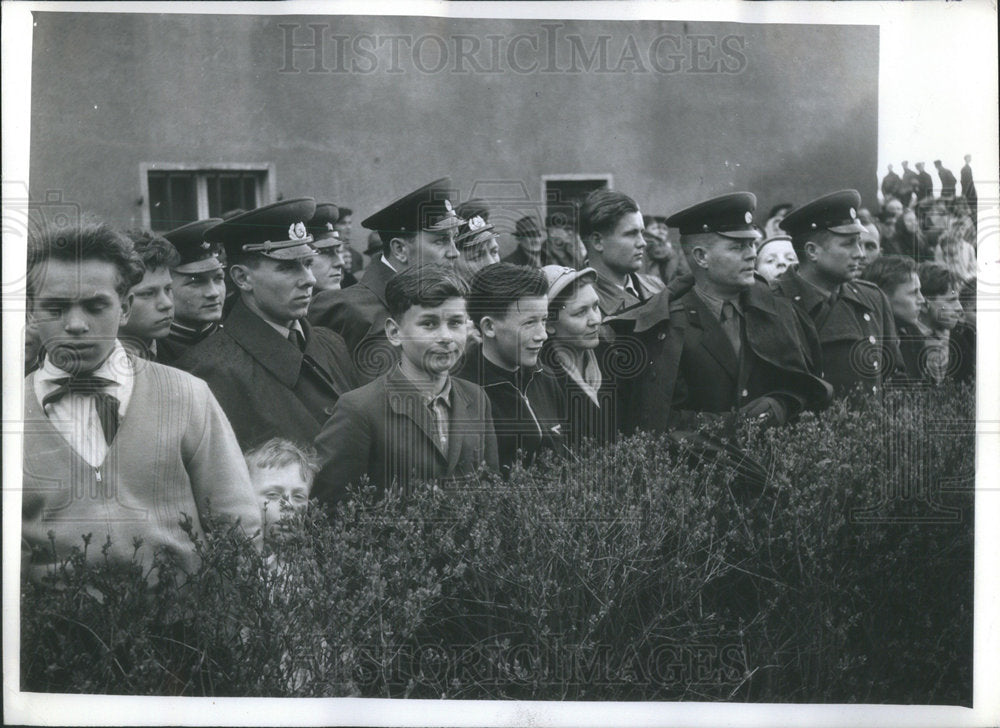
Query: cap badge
x,y
448,207
854,214
477,223
205,245
329,226
297,231
748,216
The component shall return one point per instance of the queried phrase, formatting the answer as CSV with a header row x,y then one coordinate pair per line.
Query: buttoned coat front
x,y
266,386
683,361
857,336
385,430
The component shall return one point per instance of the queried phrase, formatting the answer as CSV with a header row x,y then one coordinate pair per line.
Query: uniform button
x,y
798,298
875,364
328,411
661,336
871,339
744,393
867,317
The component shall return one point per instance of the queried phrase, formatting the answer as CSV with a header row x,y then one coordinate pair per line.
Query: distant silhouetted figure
x,y
948,181
890,184
969,186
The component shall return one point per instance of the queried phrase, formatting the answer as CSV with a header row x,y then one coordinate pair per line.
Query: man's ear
x,y
699,255
126,308
810,250
487,327
392,332
240,276
399,250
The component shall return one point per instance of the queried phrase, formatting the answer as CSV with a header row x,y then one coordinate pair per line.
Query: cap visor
x,y
293,252
849,229
326,243
200,266
740,234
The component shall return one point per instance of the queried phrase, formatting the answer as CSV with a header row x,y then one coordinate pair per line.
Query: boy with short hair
x,y
897,276
942,315
415,422
152,297
509,304
282,474
114,446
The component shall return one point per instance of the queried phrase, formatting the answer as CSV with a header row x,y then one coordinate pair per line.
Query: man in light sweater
x,y
115,446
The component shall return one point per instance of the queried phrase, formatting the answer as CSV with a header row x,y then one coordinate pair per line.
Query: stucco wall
x,y
674,111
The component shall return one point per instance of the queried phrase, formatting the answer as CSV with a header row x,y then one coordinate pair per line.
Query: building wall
x,y
675,111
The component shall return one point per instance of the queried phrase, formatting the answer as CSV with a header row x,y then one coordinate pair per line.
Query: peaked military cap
x,y
474,232
428,208
836,212
472,208
728,215
276,231
320,226
197,254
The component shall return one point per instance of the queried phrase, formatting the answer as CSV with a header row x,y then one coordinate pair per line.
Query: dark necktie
x,y
730,321
296,337
826,308
106,404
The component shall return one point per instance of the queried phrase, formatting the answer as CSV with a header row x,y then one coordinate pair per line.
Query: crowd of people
x,y
248,363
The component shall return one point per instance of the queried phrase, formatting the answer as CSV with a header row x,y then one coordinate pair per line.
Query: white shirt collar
x,y
117,367
283,330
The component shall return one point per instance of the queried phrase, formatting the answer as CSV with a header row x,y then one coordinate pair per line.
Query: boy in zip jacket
x,y
509,305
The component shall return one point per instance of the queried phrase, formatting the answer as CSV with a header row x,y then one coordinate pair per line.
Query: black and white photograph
x,y
507,363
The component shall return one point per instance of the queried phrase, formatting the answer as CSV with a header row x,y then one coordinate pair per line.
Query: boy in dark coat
x,y
416,422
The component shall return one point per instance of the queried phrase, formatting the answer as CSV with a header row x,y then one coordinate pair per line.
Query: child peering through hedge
x,y
282,474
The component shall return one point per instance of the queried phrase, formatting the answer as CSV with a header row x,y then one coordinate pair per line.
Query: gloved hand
x,y
767,410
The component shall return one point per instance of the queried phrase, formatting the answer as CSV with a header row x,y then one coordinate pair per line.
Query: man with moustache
x,y
852,317
416,229
273,373
728,346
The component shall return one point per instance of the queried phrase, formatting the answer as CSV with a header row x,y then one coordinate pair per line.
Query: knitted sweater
x,y
174,453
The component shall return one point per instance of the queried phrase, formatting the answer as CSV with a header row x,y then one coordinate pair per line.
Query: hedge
x,y
639,571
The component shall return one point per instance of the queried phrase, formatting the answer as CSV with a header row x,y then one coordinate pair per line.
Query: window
x,y
564,193
178,194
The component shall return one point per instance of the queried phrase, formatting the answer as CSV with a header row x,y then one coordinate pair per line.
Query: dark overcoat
x,y
857,336
385,430
681,361
358,314
266,386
